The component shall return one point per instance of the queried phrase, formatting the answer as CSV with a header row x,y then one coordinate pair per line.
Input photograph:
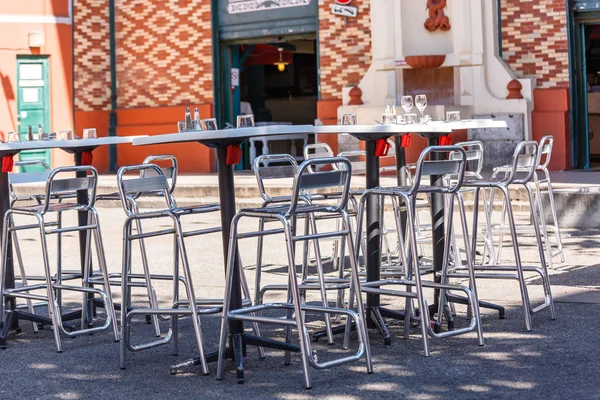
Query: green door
x,y
33,103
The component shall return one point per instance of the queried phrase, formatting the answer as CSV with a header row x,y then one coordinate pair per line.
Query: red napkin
x,y
7,163
234,155
86,158
445,140
381,147
405,140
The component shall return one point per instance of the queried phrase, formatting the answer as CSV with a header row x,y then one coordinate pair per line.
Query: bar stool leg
x,y
321,277
52,306
361,326
17,247
417,275
545,278
258,275
175,318
227,296
108,306
191,296
471,268
519,266
125,293
540,208
151,295
554,217
302,333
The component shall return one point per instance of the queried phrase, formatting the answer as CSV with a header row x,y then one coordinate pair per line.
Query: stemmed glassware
x,y
421,101
406,103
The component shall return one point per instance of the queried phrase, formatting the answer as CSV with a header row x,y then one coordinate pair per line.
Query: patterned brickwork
x,y
91,51
345,48
534,40
164,53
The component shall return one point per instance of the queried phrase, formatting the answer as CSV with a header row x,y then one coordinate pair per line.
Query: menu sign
x,y
245,6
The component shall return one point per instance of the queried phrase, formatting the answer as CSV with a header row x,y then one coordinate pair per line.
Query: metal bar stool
x,y
426,166
56,187
545,152
152,181
287,214
170,173
283,166
524,162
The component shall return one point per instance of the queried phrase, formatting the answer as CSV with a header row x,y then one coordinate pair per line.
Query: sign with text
x,y
245,6
344,11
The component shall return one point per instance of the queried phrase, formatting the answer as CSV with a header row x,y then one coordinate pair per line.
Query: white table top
x,y
223,134
15,147
471,124
387,128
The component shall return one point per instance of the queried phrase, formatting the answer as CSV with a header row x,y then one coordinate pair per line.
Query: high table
x,y
77,147
370,134
221,140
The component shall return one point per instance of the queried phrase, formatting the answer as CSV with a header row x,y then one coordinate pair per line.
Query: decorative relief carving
x,y
437,19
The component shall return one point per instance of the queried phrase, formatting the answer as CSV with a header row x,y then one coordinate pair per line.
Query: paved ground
x,y
558,360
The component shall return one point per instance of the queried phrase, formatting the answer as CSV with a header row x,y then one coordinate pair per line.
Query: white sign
x,y
244,6
344,11
235,77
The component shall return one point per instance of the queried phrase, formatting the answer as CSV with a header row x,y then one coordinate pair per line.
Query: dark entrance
x,y
250,37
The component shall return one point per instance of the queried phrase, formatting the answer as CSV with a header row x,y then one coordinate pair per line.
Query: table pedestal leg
x,y
373,256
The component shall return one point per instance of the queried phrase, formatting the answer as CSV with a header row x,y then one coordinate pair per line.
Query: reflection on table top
x,y
67,145
225,135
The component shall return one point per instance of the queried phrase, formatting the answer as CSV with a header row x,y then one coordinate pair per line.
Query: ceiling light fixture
x,y
280,64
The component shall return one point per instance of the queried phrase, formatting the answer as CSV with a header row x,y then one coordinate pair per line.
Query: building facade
x,y
130,67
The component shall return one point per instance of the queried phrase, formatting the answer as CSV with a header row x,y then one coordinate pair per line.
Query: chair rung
x,y
247,235
320,235
72,229
25,288
25,295
261,319
145,235
202,232
388,292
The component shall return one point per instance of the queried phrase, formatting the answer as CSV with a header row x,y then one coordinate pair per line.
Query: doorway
x,y
33,104
277,82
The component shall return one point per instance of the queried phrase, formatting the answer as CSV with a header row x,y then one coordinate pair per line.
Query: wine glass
x,y
406,103
421,101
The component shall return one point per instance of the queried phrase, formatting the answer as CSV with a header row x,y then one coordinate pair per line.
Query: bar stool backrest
x,y
146,183
338,177
169,172
358,160
273,166
451,166
22,178
317,150
57,187
525,160
545,149
475,154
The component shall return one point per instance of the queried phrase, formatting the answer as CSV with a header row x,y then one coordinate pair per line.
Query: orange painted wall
x,y
192,157
551,117
58,48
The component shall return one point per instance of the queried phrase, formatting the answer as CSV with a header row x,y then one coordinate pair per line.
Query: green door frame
x,y
44,60
577,19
